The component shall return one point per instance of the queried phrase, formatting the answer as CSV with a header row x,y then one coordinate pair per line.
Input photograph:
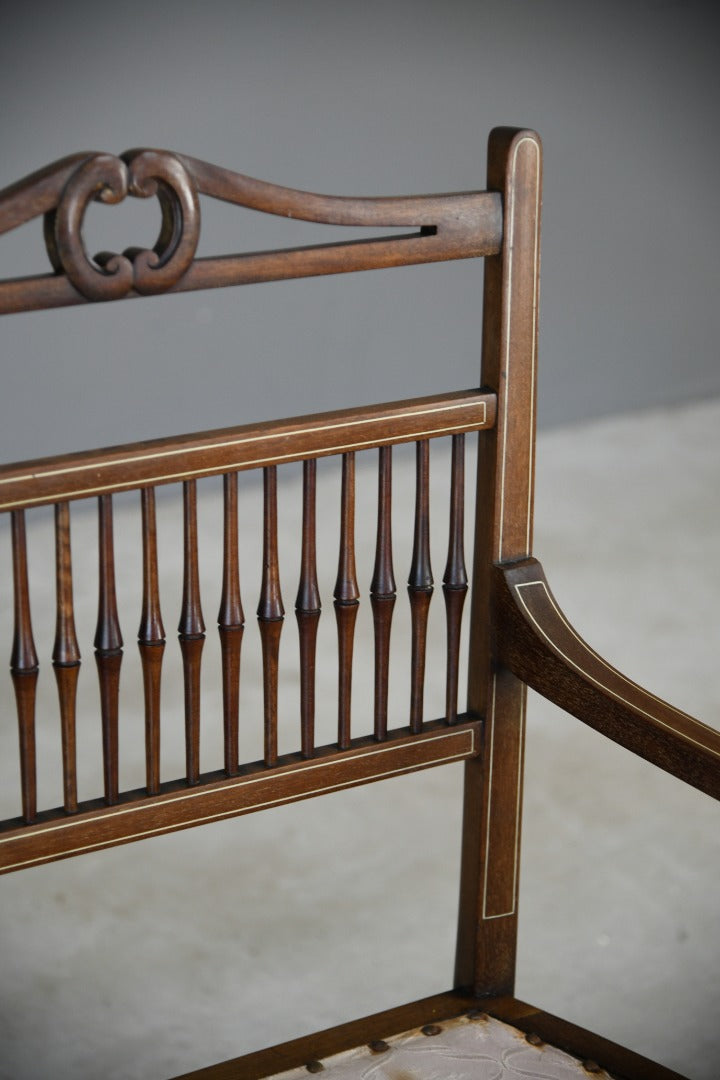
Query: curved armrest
x,y
537,643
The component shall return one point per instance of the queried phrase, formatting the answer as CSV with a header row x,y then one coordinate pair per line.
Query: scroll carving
x,y
456,226
109,179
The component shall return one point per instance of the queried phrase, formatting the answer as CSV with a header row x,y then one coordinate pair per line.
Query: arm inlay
x,y
537,643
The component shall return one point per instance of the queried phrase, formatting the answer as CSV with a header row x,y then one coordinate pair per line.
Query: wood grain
x,y
191,632
24,667
452,226
231,622
346,599
216,796
270,614
108,648
420,584
151,641
66,654
536,642
487,928
307,609
383,591
455,580
162,461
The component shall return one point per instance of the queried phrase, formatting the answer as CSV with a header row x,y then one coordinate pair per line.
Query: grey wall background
x,y
371,98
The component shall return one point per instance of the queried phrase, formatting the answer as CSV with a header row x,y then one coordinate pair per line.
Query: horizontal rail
x,y
57,835
163,461
252,268
449,226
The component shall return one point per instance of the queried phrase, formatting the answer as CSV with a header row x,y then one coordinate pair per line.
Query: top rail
x,y
163,461
449,226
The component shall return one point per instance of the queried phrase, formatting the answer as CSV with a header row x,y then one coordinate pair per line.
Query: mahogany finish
x,y
455,580
151,641
307,609
108,649
448,227
191,631
347,597
57,835
212,453
270,613
66,654
383,591
518,636
24,668
231,623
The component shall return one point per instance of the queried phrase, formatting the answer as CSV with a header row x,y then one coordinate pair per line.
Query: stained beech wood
x,y
383,591
487,926
162,461
151,641
108,648
191,631
231,621
347,598
307,609
270,614
217,796
66,654
536,641
24,668
455,581
420,584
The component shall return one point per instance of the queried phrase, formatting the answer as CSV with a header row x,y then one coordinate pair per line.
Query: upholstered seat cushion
x,y
471,1047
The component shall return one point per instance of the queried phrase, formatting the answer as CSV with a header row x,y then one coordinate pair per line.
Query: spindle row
x,y
108,641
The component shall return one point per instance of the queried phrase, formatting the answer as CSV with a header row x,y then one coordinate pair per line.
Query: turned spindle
x,y
347,597
108,648
420,584
455,581
270,614
191,632
24,668
307,611
231,622
151,641
383,590
66,654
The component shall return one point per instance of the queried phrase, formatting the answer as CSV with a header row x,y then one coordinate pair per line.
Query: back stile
x,y
347,597
383,590
191,630
270,614
307,610
24,668
66,654
231,623
151,642
487,925
108,648
455,581
420,584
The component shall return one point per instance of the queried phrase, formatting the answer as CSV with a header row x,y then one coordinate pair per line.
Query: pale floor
x,y
149,960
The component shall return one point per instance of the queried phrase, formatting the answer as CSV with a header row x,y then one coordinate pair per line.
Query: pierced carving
x,y
109,179
459,226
